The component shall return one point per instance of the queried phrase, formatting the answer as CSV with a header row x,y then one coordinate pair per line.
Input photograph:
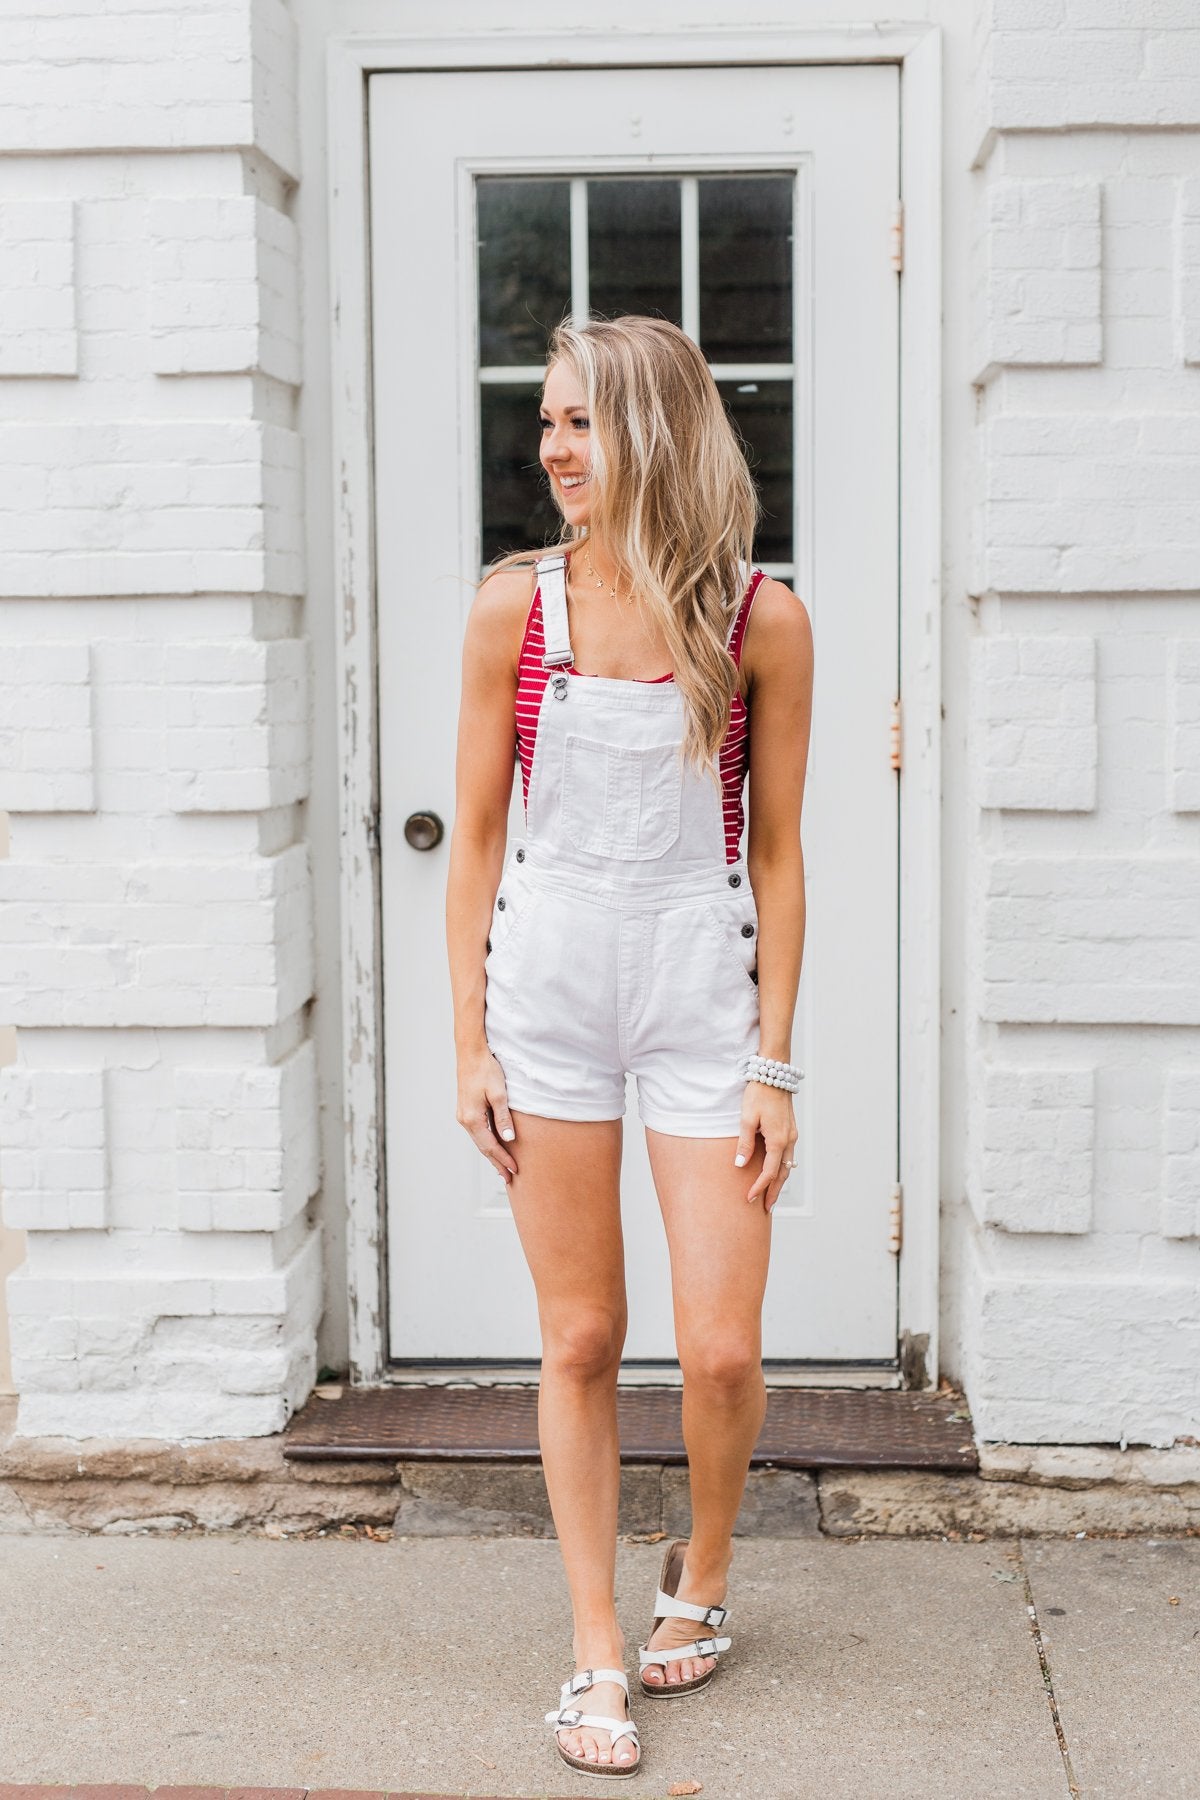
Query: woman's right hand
x,y
483,1108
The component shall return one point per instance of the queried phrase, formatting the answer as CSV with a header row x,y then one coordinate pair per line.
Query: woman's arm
x,y
483,783
778,660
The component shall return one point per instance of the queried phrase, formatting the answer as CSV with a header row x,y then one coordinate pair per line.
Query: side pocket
x,y
510,913
735,928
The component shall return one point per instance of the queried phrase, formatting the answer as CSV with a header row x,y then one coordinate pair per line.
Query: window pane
x,y
762,411
633,246
746,268
524,228
518,513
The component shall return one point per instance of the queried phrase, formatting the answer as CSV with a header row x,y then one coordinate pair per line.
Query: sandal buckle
x,y
720,1615
585,1678
706,1646
570,1718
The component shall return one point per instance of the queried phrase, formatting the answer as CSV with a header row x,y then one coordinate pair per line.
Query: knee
x,y
725,1364
584,1346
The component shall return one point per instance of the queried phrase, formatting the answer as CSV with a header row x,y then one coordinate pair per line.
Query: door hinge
x,y
896,1219
896,236
895,734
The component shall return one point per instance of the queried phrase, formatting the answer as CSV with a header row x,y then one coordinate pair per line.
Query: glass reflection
x,y
633,247
524,247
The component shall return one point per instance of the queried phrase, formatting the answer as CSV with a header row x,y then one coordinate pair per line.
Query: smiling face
x,y
566,444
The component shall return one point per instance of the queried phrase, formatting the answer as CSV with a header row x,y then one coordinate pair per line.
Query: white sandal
x,y
569,1717
666,1606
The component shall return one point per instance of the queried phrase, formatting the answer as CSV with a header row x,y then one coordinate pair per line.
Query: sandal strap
x,y
667,1606
567,1718
586,1678
710,1646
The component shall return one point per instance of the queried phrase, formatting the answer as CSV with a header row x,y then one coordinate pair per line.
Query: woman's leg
x,y
719,1245
565,1199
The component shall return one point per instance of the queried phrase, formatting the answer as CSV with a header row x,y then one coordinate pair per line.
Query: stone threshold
x,y
247,1484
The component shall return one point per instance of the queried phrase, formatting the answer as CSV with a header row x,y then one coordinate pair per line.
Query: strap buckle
x,y
570,1718
583,1678
706,1646
720,1612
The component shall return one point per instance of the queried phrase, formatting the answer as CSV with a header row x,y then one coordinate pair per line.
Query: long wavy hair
x,y
672,499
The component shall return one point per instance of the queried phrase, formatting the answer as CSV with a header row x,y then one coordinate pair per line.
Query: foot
x,y
707,1589
591,1742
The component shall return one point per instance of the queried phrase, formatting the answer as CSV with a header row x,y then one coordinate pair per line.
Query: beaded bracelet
x,y
770,1071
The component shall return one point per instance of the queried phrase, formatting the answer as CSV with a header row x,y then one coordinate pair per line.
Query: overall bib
x,y
622,940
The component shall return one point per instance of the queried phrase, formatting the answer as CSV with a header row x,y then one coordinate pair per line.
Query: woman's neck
x,y
597,564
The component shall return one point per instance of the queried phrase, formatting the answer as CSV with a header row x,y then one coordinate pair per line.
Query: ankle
x,y
706,1570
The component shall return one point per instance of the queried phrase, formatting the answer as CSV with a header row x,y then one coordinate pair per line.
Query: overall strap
x,y
551,574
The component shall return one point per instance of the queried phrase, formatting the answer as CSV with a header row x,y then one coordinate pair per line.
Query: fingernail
x,y
508,1135
739,1162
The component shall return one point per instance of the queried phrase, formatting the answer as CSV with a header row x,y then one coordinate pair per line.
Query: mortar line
x,y
1047,1678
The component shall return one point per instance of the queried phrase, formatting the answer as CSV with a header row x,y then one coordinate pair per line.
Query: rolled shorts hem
x,y
691,1125
577,1112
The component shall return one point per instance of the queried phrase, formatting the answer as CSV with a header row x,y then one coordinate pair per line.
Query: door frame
x,y
351,60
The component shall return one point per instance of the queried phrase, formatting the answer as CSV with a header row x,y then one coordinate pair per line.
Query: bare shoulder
x,y
778,634
500,609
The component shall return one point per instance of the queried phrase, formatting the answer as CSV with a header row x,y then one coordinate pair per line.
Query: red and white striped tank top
x,y
531,686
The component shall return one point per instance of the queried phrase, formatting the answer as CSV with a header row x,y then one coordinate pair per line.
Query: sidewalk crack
x,y
1047,1678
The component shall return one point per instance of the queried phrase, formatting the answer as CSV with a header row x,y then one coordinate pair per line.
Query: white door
x,y
753,206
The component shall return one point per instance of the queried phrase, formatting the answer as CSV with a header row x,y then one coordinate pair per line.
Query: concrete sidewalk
x,y
882,1670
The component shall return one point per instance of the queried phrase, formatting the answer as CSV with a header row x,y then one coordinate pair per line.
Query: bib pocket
x,y
621,801
735,927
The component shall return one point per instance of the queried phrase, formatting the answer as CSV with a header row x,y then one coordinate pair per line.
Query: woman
x,y
638,667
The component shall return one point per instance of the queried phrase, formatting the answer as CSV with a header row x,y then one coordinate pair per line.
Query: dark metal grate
x,y
805,1428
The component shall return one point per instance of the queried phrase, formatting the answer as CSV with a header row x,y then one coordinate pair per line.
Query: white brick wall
x,y
158,1138
1084,727
46,736
37,288
1033,715
1034,1132
53,1149
1038,273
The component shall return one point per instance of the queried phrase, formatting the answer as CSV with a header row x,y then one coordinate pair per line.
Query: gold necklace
x,y
603,584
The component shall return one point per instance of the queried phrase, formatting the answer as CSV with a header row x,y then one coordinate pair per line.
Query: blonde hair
x,y
672,499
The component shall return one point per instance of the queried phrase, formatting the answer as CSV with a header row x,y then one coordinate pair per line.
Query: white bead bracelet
x,y
771,1072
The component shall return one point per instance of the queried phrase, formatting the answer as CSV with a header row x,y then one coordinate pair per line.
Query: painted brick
x,y
128,76
1034,1132
46,734
148,1354
53,1149
1187,291
37,288
1084,1360
1090,503
1091,939
225,288
1180,1211
1033,722
238,724
155,506
1038,274
247,1157
162,943
1085,63
1183,725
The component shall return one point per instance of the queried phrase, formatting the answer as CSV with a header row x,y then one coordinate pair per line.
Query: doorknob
x,y
423,830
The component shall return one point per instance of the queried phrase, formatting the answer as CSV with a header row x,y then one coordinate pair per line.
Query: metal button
x,y
500,902
735,881
520,856
747,931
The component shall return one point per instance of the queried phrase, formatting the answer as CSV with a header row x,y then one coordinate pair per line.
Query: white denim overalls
x,y
621,938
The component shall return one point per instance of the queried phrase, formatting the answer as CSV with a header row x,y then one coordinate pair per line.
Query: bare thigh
x,y
719,1243
566,1201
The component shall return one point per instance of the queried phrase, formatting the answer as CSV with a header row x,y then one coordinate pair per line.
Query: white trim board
x,y
351,59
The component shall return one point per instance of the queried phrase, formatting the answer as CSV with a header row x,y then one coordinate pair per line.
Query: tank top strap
x,y
737,631
552,585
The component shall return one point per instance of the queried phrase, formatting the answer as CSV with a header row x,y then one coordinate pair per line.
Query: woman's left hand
x,y
767,1112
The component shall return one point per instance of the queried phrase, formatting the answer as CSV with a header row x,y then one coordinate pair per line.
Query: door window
x,y
713,253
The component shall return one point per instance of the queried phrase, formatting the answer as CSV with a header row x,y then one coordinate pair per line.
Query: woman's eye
x,y
580,424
